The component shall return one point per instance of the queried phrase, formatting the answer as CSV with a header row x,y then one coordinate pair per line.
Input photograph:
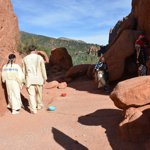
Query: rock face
x,y
119,52
90,72
136,22
128,22
113,32
133,97
141,11
59,57
9,37
136,125
8,27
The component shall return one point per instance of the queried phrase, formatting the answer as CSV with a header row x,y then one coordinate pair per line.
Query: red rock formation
x,y
52,84
137,21
59,57
77,71
90,72
113,32
59,63
55,84
62,85
141,11
132,92
118,53
136,125
133,97
120,58
44,55
9,37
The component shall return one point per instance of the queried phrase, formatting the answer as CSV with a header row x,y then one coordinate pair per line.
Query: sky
x,y
86,20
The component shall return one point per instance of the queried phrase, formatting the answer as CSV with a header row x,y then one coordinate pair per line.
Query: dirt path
x,y
84,119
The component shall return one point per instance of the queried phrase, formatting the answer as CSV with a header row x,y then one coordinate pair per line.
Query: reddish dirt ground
x,y
85,119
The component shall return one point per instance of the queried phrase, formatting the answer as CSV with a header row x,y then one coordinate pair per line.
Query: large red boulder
x,y
133,97
59,57
132,92
77,71
9,32
90,72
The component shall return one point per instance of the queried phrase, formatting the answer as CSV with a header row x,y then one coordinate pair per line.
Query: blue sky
x,y
87,20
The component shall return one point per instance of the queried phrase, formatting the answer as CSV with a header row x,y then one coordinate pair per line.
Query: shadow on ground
x,y
25,103
85,84
80,83
66,142
109,119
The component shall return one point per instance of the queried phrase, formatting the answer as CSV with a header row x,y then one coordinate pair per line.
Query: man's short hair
x,y
32,48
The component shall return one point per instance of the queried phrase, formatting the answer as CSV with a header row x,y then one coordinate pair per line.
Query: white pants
x,y
99,78
13,92
35,93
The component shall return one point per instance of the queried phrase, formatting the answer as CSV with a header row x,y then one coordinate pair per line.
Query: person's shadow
x,y
67,142
109,119
25,103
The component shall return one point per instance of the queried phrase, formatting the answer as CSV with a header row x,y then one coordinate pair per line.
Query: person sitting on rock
x,y
101,74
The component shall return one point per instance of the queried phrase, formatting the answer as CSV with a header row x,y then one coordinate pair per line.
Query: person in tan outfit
x,y
35,77
13,77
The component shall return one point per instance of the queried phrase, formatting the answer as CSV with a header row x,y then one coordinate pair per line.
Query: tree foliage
x,y
77,49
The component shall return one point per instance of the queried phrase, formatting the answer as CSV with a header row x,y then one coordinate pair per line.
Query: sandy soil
x,y
85,119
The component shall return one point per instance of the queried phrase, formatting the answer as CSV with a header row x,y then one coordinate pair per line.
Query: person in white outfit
x,y
13,77
35,77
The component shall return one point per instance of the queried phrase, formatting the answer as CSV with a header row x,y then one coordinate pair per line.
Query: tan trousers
x,y
13,92
35,93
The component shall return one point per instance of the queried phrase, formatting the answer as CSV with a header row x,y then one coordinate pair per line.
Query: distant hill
x,y
63,38
77,49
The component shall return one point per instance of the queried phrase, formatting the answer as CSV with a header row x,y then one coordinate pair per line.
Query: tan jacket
x,y
12,72
34,70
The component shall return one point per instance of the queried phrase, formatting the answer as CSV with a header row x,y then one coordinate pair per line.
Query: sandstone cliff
x,y
9,36
132,96
121,51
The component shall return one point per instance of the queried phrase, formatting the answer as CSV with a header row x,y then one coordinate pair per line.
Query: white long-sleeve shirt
x,y
12,72
34,70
